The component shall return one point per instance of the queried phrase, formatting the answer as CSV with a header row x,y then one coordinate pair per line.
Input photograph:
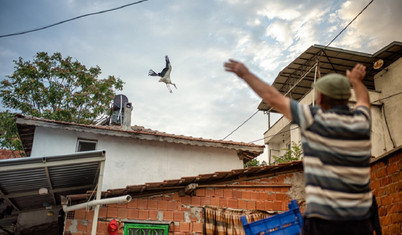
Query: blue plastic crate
x,y
286,223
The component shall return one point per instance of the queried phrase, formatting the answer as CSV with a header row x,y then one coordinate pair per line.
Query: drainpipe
x,y
98,197
97,202
114,200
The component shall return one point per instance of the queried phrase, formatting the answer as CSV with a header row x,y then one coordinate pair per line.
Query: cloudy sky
x,y
198,36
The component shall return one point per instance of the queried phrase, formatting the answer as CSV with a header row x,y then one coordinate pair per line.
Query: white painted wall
x,y
130,161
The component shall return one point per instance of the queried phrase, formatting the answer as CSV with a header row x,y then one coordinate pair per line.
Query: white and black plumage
x,y
165,74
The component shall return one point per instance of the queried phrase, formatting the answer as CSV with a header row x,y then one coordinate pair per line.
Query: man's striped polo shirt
x,y
336,145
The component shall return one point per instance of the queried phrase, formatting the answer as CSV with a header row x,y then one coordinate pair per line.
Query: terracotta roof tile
x,y
141,130
202,179
7,154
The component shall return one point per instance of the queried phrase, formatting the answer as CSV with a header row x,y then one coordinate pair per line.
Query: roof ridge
x,y
140,130
204,179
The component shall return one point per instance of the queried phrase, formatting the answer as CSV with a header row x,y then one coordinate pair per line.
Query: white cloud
x,y
281,32
376,27
198,36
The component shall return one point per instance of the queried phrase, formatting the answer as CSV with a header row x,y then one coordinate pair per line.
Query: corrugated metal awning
x,y
21,179
330,60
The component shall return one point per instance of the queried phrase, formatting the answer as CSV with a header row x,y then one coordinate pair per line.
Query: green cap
x,y
334,85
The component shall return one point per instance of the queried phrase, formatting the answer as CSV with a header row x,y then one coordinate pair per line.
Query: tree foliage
x,y
54,88
254,162
8,132
58,88
294,153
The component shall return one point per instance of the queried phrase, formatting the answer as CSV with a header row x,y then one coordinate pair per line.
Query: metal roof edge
x,y
97,155
262,106
384,49
341,50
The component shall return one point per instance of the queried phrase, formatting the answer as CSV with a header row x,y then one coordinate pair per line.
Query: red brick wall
x,y
186,211
386,183
7,154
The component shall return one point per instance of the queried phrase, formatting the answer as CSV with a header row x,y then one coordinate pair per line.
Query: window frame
x,y
128,226
80,140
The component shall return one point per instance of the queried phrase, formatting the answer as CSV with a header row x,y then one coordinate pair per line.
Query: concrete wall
x,y
34,218
131,161
185,214
381,141
282,134
389,83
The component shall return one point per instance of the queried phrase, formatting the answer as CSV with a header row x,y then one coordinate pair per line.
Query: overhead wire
x,y
315,64
241,125
270,108
387,97
75,18
282,132
279,133
349,24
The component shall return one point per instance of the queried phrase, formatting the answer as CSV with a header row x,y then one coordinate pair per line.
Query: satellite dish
x,y
119,101
378,64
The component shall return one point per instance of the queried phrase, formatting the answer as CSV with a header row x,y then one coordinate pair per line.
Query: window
x,y
86,145
146,229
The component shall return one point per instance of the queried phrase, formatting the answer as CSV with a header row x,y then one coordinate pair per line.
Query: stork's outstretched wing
x,y
164,74
168,68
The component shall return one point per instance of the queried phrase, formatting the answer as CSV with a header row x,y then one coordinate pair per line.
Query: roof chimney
x,y
128,108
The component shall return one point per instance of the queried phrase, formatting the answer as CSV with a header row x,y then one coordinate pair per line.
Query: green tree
x,y
294,153
8,133
58,88
254,162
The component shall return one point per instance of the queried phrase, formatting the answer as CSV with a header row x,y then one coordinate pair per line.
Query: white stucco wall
x,y
130,161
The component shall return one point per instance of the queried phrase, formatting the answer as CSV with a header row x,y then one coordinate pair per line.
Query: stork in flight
x,y
165,74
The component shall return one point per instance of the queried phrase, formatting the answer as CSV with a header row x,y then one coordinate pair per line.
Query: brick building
x,y
386,183
238,192
265,190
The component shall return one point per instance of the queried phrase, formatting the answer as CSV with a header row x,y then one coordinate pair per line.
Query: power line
x,y
240,125
330,44
291,88
75,18
349,24
282,132
387,97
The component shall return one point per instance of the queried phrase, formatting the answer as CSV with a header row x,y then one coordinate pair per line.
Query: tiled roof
x,y
203,180
26,126
7,154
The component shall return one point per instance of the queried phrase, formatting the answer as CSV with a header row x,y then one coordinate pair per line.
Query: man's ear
x,y
318,98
